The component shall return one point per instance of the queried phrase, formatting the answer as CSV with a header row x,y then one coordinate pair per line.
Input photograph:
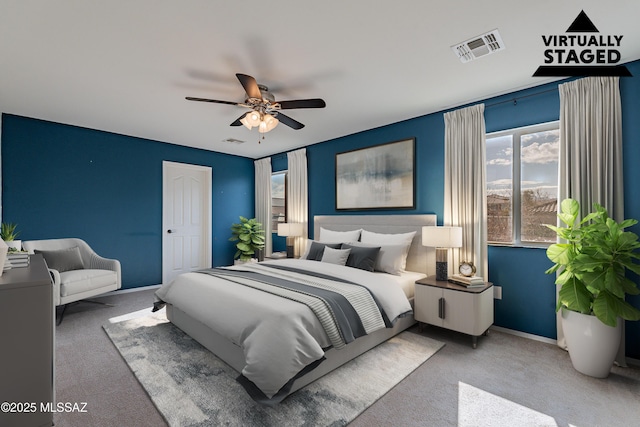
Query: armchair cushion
x,y
63,259
76,281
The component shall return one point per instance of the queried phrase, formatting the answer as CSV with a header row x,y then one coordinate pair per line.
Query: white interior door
x,y
186,219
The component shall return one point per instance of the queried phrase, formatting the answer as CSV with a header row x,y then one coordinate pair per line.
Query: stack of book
x,y
469,282
18,259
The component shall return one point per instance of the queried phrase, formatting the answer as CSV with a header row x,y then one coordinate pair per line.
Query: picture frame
x,y
377,177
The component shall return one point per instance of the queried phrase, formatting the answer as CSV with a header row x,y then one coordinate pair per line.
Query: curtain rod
x,y
273,157
515,100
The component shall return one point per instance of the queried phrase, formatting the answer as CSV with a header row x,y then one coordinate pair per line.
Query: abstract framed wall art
x,y
378,177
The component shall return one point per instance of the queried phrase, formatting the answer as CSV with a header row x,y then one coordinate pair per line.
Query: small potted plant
x,y
250,237
9,234
591,265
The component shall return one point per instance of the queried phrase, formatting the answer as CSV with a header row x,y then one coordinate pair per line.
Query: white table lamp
x,y
290,230
442,238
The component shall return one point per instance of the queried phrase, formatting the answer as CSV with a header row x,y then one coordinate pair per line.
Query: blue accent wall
x,y
67,181
630,94
428,132
528,294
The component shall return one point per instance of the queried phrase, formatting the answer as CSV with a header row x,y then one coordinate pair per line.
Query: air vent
x,y
233,141
478,46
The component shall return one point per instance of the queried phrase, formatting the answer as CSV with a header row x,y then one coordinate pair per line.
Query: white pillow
x,y
402,239
339,236
386,239
392,259
335,256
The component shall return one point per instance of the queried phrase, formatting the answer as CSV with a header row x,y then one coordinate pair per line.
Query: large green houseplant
x,y
250,237
591,264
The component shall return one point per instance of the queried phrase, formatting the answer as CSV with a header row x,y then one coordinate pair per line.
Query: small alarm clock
x,y
467,268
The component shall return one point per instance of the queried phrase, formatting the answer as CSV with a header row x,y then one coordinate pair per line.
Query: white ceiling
x,y
125,66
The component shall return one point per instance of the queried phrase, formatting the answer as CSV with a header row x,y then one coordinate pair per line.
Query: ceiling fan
x,y
265,112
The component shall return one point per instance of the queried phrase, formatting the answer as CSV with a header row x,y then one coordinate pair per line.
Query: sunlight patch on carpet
x,y
145,312
478,408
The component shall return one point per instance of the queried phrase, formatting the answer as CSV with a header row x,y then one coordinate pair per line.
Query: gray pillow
x,y
63,259
362,257
335,256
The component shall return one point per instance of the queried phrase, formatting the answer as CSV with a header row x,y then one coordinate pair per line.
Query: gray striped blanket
x,y
345,310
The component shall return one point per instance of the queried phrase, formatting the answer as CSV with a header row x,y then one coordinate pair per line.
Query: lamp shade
x,y
290,229
442,237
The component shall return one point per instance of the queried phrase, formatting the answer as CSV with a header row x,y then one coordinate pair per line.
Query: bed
x,y
203,305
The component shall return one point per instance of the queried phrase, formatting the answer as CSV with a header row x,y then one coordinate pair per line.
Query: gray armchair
x,y
76,270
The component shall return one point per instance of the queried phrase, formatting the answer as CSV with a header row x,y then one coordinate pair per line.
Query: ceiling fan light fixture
x,y
268,123
251,119
263,109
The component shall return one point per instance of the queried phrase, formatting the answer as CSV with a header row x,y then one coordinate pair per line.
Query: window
x,y
522,184
278,199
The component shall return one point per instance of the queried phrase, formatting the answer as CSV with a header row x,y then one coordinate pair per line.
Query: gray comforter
x,y
280,330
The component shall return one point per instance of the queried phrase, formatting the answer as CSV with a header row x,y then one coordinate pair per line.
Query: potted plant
x,y
9,234
591,265
250,237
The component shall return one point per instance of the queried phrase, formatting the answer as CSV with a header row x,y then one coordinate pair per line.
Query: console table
x,y
27,354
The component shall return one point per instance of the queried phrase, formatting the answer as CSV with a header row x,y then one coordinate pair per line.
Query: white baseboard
x,y
630,361
525,335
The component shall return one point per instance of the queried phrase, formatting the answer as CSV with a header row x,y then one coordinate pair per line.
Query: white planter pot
x,y
4,248
15,244
592,344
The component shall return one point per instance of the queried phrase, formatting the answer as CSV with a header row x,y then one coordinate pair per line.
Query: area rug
x,y
192,387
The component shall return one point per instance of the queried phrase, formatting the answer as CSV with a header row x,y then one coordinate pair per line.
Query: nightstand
x,y
454,307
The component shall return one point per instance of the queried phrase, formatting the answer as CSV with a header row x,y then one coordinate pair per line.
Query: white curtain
x,y
590,168
263,199
297,196
465,202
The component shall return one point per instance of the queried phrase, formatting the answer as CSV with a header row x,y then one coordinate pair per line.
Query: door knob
x,y
169,231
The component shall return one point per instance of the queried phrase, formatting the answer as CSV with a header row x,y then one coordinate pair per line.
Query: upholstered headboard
x,y
420,258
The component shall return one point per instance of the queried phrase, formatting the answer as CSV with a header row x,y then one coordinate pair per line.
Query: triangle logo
x,y
582,54
582,24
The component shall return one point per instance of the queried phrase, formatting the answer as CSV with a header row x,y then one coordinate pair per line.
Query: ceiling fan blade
x,y
294,124
238,122
250,85
190,98
302,103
